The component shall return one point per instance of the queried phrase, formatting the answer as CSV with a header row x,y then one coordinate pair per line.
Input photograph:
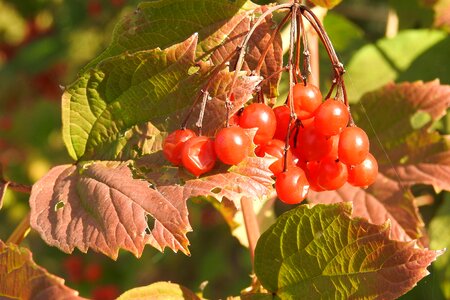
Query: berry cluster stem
x,y
21,231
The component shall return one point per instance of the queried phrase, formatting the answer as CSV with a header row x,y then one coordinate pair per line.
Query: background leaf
x,y
326,3
398,59
160,291
320,252
21,278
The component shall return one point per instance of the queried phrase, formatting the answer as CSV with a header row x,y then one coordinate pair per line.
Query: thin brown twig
x,y
251,225
21,231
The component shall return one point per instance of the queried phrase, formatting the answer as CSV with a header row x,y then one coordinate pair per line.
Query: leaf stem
x,y
21,231
251,225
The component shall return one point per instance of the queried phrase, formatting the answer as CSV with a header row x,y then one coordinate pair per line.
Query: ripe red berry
x,y
306,100
198,155
283,116
365,173
292,186
276,149
259,115
173,144
332,174
331,117
310,144
106,292
353,146
73,265
232,145
312,173
93,272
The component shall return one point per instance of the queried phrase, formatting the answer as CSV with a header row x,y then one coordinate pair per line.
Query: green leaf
x,y
163,23
320,252
160,291
411,55
326,3
440,238
22,278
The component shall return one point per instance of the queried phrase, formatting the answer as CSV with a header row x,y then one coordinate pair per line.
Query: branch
x,y
20,232
251,225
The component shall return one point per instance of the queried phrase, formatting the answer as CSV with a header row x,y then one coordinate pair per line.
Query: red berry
x,y
73,265
331,117
107,292
334,147
259,115
283,116
353,146
306,100
292,186
93,272
173,144
365,173
198,155
232,145
332,174
312,173
310,144
276,149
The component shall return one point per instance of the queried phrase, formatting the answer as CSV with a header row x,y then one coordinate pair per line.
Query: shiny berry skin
x,y
312,173
232,145
173,144
198,155
311,145
353,146
275,148
365,173
261,116
332,174
283,116
292,186
306,100
331,117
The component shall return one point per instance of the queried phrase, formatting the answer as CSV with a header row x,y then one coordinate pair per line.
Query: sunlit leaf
x,y
160,291
21,278
399,59
100,206
321,252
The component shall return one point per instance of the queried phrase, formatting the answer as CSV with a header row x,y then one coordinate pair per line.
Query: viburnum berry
x,y
93,272
232,145
283,116
198,155
332,174
173,145
312,173
310,144
261,116
353,146
365,173
331,117
307,98
275,148
292,186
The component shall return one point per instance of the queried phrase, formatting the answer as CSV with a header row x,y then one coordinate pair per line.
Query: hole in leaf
x,y
216,190
59,205
150,224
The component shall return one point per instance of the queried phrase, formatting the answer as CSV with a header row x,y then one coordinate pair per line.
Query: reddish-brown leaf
x,y
257,45
100,206
384,200
397,119
21,278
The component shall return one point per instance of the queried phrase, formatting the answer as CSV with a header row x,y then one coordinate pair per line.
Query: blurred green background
x,y
43,43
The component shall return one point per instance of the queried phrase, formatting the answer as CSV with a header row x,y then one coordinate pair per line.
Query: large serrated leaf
x,y
21,278
321,252
101,206
408,153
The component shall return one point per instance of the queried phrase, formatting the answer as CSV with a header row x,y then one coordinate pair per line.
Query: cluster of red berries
x,y
323,153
